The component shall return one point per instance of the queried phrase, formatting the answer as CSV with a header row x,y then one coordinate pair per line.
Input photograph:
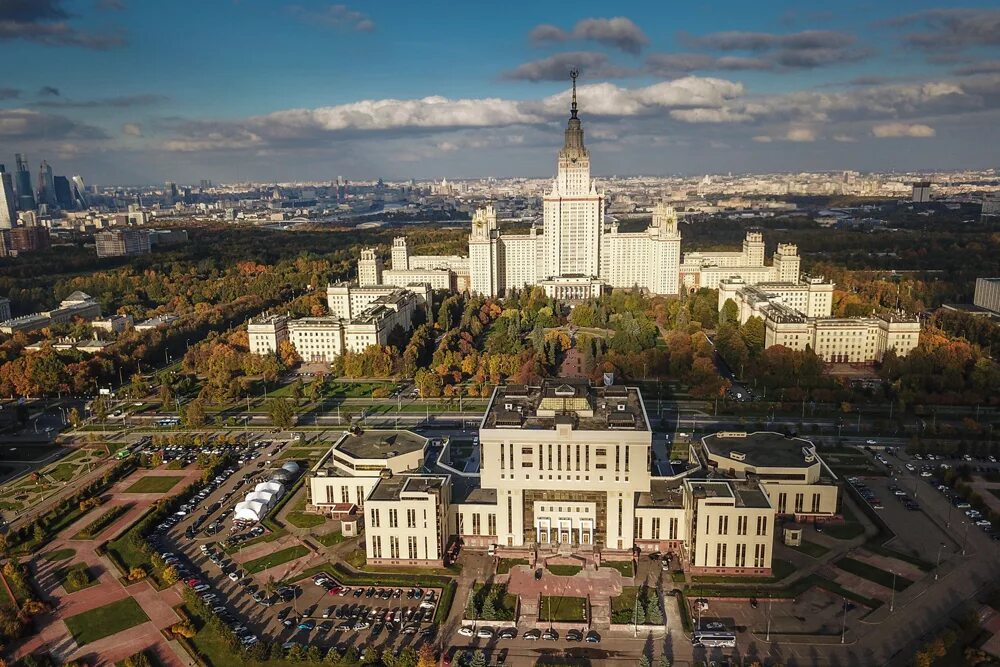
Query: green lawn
x,y
564,570
503,606
779,570
63,472
623,606
299,518
305,519
564,609
273,559
60,554
97,526
64,576
844,531
105,621
872,573
331,538
504,565
812,549
623,566
154,484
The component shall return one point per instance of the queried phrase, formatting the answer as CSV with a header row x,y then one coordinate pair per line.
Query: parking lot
x,y
309,611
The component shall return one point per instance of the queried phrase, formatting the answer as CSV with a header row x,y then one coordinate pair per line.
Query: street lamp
x,y
843,631
892,593
768,638
938,565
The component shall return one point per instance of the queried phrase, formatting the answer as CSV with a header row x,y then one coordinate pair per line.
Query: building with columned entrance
x,y
567,469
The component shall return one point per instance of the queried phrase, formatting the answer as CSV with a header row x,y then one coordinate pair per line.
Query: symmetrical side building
x,y
797,315
359,318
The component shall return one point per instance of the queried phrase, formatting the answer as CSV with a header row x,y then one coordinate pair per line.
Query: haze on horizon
x,y
133,92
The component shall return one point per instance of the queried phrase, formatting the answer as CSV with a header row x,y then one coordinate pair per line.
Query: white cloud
x,y
709,116
794,134
844,138
800,134
607,99
890,130
132,130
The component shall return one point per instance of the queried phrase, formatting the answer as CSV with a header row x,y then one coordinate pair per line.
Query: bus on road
x,y
714,639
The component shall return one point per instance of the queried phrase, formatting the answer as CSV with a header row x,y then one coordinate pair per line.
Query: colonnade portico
x,y
564,531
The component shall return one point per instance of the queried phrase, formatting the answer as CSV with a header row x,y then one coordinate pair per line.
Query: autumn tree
x,y
194,414
280,412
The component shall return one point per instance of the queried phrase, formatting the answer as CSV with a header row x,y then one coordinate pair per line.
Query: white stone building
x,y
565,469
797,315
360,317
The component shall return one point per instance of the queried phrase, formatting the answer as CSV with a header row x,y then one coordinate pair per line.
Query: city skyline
x,y
314,89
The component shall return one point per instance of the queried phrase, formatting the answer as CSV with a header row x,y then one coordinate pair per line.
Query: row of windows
x,y
568,457
799,503
721,549
655,528
491,522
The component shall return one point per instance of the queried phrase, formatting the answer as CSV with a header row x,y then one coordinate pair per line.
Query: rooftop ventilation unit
x,y
737,456
808,454
621,407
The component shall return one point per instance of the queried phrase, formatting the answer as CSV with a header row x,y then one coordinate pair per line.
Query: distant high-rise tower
x,y
22,183
921,192
170,192
46,185
64,195
79,192
573,211
8,214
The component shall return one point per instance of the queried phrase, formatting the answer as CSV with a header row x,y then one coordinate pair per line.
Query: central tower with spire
x,y
573,211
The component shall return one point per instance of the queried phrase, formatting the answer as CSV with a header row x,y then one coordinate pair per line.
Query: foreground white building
x,y
565,469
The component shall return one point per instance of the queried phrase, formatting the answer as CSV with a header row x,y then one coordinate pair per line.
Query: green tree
x,y
166,396
752,332
295,390
280,412
730,313
194,414
478,659
74,417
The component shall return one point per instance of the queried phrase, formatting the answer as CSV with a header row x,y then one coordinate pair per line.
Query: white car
x,y
871,442
466,631
927,473
485,633
911,467
235,576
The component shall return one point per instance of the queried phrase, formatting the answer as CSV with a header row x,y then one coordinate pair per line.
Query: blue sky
x,y
135,91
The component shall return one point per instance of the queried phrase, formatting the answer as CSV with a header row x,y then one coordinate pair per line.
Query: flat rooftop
x,y
380,444
663,493
744,494
566,401
762,449
393,487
